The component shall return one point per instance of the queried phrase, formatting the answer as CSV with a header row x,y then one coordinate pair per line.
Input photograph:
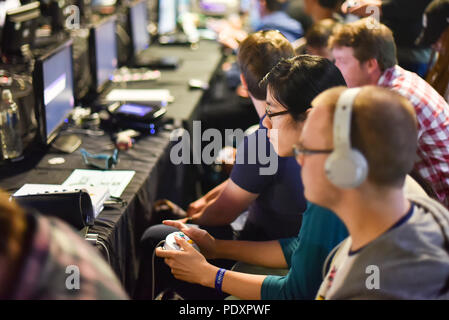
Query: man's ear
x,y
372,66
243,81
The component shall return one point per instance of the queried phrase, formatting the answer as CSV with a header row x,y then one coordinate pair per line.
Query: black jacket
x,y
404,18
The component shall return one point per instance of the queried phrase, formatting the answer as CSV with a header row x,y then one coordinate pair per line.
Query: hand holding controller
x,y
171,244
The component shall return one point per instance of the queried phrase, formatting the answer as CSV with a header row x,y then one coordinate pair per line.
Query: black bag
x,y
74,207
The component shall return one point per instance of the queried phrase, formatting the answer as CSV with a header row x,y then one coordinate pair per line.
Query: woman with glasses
x,y
291,86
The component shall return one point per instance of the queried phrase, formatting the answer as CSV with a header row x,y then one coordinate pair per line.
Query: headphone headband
x,y
345,167
342,119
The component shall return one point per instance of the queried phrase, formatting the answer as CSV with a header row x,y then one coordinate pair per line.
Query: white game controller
x,y
171,244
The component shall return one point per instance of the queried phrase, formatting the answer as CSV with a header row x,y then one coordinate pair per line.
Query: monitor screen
x,y
135,109
105,52
167,16
139,23
58,89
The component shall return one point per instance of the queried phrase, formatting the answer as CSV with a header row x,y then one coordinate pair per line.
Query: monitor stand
x,y
66,143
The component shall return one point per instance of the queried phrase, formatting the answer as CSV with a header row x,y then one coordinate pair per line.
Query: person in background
x,y
404,18
397,244
291,86
316,39
272,16
435,34
323,9
295,10
367,56
38,256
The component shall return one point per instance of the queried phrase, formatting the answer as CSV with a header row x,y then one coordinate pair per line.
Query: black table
x,y
120,228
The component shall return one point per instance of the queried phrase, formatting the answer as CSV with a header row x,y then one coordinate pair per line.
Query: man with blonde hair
x,y
356,148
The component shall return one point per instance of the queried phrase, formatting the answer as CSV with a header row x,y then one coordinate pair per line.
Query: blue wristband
x,y
219,279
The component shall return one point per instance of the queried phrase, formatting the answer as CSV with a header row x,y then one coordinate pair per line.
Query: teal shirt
x,y
320,232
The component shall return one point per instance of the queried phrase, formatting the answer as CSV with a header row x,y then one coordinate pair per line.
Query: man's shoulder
x,y
61,253
419,92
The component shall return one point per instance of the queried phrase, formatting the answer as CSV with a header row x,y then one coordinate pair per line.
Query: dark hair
x,y
318,34
331,4
275,5
257,54
295,82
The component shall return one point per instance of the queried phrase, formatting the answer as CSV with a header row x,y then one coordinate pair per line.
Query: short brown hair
x,y
257,54
384,130
369,39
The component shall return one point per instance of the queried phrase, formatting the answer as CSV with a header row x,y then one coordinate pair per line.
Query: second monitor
x,y
103,53
140,39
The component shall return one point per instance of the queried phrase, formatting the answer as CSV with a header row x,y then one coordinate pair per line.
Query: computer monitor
x,y
138,20
53,83
166,16
103,52
19,28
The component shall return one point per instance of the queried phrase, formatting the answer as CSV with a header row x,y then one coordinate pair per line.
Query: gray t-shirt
x,y
409,261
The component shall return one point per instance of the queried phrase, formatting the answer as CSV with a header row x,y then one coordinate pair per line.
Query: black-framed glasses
x,y
271,115
299,149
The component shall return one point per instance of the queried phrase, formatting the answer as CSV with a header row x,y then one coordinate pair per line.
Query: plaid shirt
x,y
47,270
432,114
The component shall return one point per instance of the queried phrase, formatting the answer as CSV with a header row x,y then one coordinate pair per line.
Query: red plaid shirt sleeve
x,y
432,113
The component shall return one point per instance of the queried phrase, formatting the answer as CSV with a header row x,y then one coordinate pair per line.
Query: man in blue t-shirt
x,y
275,200
275,213
266,15
274,18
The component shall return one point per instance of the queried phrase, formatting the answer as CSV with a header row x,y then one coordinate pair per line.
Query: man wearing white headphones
x,y
356,148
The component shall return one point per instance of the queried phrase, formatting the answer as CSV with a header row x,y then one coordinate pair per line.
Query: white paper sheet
x,y
115,180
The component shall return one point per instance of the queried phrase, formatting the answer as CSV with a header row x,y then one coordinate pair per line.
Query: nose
x,y
300,159
267,122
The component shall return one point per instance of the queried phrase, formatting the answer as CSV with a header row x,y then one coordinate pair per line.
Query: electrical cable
x,y
106,249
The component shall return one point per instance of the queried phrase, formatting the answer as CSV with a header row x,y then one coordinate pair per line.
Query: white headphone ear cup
x,y
346,170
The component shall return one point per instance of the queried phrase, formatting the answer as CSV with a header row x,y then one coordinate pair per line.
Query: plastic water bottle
x,y
11,141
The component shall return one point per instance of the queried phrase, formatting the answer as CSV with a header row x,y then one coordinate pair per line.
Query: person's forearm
x,y
218,212
242,285
226,207
262,253
215,192
214,215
